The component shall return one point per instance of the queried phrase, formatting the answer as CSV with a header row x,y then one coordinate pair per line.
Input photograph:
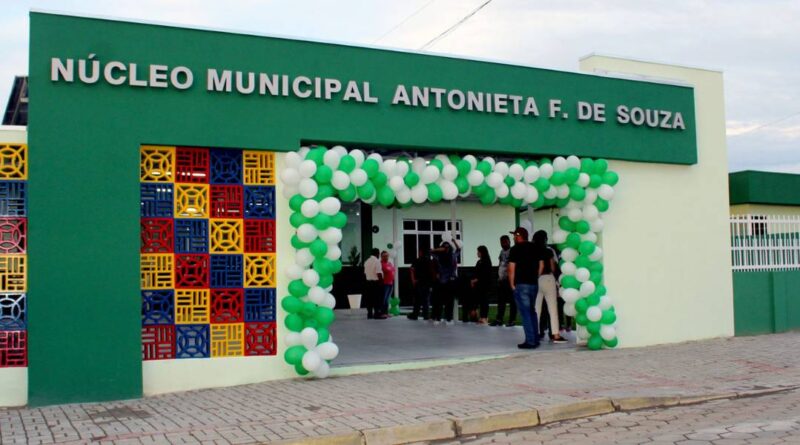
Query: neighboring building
x,y
17,107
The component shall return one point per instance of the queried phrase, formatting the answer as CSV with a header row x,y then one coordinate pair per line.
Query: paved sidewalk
x,y
296,409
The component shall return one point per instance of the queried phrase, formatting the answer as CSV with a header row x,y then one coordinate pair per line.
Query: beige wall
x,y
763,209
666,242
13,381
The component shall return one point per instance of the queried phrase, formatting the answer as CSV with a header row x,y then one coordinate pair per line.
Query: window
x,y
418,233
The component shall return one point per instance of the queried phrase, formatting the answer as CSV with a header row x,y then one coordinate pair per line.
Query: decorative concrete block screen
x,y
208,252
13,260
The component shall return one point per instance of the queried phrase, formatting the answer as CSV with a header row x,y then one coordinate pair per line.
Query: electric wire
x,y
403,21
453,28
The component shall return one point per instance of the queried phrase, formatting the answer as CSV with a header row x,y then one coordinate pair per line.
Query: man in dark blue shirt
x,y
525,263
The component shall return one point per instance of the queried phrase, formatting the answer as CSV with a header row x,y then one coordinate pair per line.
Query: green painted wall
x,y
754,187
84,299
766,302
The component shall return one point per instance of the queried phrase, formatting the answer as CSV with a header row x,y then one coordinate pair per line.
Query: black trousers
x,y
422,300
373,294
443,298
505,296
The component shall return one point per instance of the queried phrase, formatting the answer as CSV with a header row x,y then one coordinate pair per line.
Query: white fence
x,y
765,242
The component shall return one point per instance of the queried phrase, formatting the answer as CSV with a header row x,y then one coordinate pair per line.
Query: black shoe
x,y
528,346
412,317
510,324
560,340
496,323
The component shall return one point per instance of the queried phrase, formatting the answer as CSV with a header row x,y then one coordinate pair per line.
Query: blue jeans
x,y
387,293
525,295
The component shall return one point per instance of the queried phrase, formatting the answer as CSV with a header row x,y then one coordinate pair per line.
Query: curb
x,y
472,426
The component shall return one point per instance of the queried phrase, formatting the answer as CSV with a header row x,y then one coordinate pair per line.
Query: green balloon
x,y
541,185
454,158
348,194
549,202
434,193
570,282
322,266
366,191
610,178
488,196
596,267
294,322
370,167
582,227
582,260
484,167
581,305
539,202
573,240
595,342
595,180
322,221
609,317
296,202
291,304
385,196
600,166
463,167
318,248
297,288
586,248
323,174
347,163
297,244
544,161
509,181
390,246
593,327
297,219
596,277
517,202
324,316
581,319
601,204
308,309
317,154
311,323
325,280
506,200
557,178
325,191
571,175
462,184
411,179
593,300
324,334
438,164
300,370
611,343
576,192
339,220
294,354
380,179
587,165
336,266
600,290
481,189
562,202
566,224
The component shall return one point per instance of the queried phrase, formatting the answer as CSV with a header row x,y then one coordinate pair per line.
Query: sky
x,y
755,43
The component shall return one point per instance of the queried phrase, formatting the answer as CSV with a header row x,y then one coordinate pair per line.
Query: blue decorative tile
x,y
157,200
226,166
191,236
158,307
227,271
13,198
12,312
259,202
259,304
192,341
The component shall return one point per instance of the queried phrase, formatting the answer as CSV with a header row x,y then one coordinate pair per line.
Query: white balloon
x,y
597,254
388,167
490,160
309,208
569,254
331,158
419,193
583,334
358,155
531,174
294,272
546,171
307,169
376,157
303,152
607,332
559,236
574,214
308,188
403,195
303,257
594,313
396,183
494,179
309,337
445,160
596,226
590,212
341,151
429,175
418,165
587,288
323,371
501,191
582,274
358,177
606,192
563,191
290,190
583,180
401,168
591,196
340,180
569,309
559,164
473,162
589,236
475,178
605,302
290,176
334,252
568,268
293,339
331,235
570,295
316,294
516,171
449,190
573,161
310,277
306,232
330,206
519,190
501,168
532,195
311,360
293,159
330,302
450,172
328,350
551,192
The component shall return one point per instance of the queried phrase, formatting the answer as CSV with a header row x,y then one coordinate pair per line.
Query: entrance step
x,y
351,314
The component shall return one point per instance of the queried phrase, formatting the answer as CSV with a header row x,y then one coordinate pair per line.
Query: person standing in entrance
x,y
422,274
525,263
548,291
504,294
388,269
447,275
481,284
373,285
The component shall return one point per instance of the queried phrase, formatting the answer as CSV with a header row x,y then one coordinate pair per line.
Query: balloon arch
x,y
317,179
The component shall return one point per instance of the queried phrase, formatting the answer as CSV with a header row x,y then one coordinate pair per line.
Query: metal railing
x,y
765,242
